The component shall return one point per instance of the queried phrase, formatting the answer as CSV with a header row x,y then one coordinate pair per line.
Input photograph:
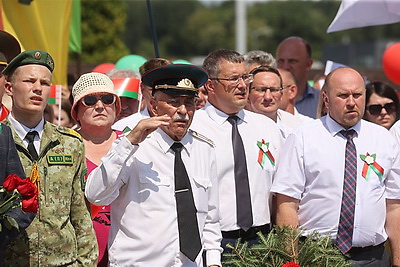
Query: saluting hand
x,y
145,127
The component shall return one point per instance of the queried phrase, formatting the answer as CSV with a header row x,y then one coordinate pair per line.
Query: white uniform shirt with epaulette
x,y
138,182
261,140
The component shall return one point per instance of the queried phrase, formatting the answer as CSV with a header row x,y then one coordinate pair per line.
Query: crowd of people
x,y
168,166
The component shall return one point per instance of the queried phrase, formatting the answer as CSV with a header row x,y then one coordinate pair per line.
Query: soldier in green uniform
x,y
53,156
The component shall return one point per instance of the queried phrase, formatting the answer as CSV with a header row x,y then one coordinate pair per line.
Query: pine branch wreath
x,y
285,247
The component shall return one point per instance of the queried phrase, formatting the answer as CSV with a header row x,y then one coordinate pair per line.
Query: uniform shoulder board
x,y
69,132
202,137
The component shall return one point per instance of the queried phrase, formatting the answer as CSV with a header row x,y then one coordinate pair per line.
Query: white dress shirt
x,y
302,117
395,131
287,122
138,182
131,121
22,130
252,127
311,169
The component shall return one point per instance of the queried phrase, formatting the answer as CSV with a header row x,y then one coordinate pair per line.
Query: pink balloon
x,y
104,68
391,62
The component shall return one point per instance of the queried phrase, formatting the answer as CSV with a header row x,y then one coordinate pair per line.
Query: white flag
x,y
362,13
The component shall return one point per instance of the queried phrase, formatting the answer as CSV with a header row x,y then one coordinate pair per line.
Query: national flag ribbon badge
x,y
264,153
370,163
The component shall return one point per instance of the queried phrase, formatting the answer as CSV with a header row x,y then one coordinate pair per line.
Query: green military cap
x,y
176,79
36,57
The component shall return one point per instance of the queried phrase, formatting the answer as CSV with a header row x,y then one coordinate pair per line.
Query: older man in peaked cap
x,y
160,180
9,48
62,233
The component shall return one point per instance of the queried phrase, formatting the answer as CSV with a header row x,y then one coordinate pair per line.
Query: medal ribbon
x,y
368,166
264,153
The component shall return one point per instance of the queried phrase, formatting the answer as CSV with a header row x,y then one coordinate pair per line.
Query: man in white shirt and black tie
x,y
247,147
161,181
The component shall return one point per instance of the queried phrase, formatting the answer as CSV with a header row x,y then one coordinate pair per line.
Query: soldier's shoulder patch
x,y
70,132
202,137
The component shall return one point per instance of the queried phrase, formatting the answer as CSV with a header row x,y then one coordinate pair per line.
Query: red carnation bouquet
x,y
15,193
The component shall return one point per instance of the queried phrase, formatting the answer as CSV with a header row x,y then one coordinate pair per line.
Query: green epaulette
x,y
201,137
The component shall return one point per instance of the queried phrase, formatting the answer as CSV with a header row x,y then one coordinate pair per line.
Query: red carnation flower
x,y
11,182
30,205
290,264
26,188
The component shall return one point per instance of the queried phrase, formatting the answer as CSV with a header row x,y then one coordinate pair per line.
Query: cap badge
x,y
50,63
38,55
185,83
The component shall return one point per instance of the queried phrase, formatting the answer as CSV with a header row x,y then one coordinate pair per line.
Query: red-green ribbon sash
x,y
370,163
264,153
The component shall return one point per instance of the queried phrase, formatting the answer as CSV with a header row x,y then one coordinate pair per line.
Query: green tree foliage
x,y
299,18
208,29
103,25
188,28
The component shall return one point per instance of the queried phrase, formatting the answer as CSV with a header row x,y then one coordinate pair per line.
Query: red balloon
x,y
104,68
391,62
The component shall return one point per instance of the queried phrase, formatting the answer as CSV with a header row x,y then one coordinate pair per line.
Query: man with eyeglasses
x,y
54,158
340,176
247,146
160,180
265,97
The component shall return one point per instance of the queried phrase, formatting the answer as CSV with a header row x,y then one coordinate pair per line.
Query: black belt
x,y
249,234
356,250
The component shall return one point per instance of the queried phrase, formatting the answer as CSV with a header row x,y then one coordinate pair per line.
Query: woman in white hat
x,y
95,108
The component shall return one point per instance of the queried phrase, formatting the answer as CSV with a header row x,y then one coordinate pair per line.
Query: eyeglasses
x,y
261,90
376,109
287,86
247,79
91,100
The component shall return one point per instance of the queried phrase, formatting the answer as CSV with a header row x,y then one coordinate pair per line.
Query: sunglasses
x,y
91,100
376,109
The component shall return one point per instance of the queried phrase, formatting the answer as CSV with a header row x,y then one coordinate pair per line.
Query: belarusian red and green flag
x,y
55,94
127,87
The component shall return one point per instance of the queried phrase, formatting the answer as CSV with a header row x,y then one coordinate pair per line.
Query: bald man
x,y
294,54
344,177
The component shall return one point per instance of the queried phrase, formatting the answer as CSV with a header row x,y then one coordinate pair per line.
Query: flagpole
x,y
153,28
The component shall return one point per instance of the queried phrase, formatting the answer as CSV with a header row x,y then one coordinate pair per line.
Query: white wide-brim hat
x,y
90,84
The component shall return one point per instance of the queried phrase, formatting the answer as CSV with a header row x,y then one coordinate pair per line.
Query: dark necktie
x,y
243,198
346,222
30,136
189,238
